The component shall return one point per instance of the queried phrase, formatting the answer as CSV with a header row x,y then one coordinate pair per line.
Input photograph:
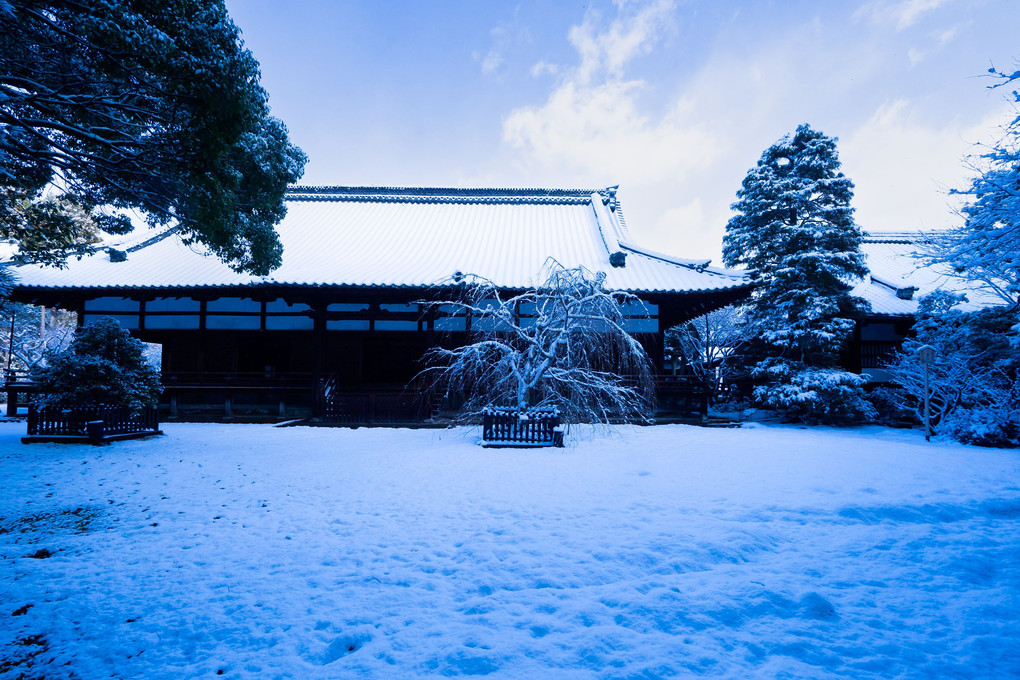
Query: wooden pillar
x,y
319,343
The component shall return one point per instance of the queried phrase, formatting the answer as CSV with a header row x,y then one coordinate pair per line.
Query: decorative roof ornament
x,y
906,293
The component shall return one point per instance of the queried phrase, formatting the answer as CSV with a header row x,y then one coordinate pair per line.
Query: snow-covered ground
x,y
258,552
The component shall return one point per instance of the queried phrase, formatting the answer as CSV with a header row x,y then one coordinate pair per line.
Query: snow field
x,y
670,551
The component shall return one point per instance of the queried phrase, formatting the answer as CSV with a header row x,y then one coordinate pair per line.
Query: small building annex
x,y
898,277
343,311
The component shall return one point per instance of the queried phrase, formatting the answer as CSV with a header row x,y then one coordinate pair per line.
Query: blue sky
x,y
672,100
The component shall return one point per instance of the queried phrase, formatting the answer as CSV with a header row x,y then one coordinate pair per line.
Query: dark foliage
x,y
137,104
103,365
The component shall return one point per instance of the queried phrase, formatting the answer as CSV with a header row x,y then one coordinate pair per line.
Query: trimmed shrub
x,y
102,365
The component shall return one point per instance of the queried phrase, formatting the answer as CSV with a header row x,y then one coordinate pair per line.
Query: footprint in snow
x,y
342,646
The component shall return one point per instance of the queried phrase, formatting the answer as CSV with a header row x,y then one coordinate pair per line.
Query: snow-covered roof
x,y
899,276
411,237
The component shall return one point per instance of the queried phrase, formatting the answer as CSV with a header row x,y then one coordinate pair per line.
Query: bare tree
x,y
28,332
709,347
562,344
708,344
973,382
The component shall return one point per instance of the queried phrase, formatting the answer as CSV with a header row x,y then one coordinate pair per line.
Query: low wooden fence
x,y
373,408
510,427
91,423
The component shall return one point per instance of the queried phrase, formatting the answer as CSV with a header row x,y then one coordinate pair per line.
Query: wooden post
x,y
318,380
95,431
927,407
926,353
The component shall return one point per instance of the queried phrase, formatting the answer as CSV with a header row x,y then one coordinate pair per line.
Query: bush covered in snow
x,y
102,365
829,395
973,382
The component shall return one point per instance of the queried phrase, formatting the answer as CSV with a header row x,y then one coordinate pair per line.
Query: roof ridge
x,y
442,194
875,236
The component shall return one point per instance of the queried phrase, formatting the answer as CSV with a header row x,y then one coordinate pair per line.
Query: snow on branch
x,y
561,344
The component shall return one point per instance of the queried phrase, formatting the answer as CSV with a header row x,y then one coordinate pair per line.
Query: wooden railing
x,y
373,408
876,354
95,423
510,427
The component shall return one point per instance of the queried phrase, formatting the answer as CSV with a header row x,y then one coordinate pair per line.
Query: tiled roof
x,y
896,267
392,236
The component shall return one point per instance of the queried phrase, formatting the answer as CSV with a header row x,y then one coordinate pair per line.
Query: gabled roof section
x,y
410,237
899,276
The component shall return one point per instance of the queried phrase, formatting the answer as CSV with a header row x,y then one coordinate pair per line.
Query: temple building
x,y
346,312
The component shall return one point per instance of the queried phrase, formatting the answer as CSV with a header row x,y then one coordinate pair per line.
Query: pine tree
x,y
154,106
103,365
794,227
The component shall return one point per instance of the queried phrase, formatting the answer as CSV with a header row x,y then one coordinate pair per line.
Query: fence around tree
x,y
94,424
509,427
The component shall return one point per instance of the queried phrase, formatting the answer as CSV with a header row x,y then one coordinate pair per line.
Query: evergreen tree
x,y
794,227
103,365
148,105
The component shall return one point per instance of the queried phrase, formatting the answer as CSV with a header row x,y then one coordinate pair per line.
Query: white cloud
x,y
609,51
592,122
503,38
680,154
599,131
946,36
904,168
901,14
544,68
940,38
679,164
491,63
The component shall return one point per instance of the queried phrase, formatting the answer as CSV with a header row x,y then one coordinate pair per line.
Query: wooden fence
x,y
509,427
91,423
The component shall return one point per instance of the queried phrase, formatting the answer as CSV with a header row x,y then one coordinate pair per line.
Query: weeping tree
x,y
710,347
562,344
